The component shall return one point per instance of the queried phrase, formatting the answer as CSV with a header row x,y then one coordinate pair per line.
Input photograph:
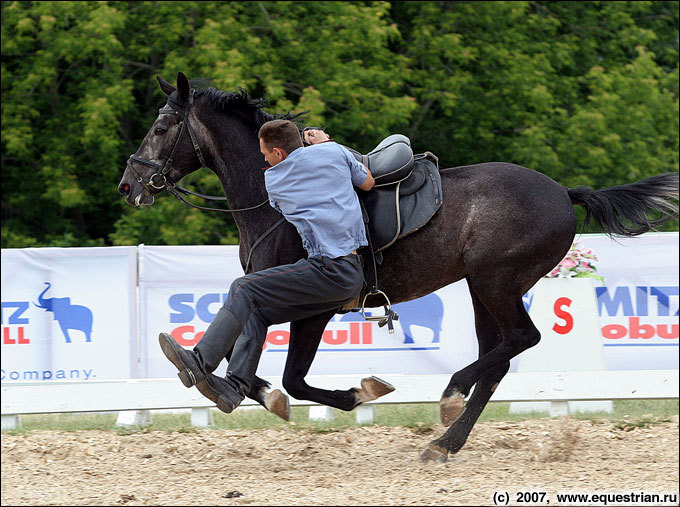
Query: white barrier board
x,y
69,313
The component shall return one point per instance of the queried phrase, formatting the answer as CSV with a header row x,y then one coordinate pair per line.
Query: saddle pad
x,y
397,210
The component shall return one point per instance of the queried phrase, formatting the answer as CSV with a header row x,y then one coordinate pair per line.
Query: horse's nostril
x,y
124,188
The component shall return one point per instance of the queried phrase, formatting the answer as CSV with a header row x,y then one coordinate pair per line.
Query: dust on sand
x,y
369,465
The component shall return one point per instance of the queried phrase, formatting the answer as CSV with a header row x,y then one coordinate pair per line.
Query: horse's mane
x,y
225,101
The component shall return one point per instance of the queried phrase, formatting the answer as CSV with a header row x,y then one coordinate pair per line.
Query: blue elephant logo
x,y
69,316
528,299
427,311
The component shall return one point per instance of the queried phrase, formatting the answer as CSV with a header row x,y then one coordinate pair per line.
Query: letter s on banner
x,y
563,314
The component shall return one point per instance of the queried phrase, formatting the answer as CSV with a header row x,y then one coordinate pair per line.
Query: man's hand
x,y
368,182
315,136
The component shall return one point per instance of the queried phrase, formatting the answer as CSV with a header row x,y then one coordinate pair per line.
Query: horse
x,y
501,227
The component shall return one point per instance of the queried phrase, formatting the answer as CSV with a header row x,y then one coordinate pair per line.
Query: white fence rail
x,y
135,397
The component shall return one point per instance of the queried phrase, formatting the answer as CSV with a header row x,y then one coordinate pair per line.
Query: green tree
x,y
586,92
572,89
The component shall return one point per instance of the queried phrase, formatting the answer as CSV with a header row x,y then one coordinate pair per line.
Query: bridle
x,y
159,180
163,168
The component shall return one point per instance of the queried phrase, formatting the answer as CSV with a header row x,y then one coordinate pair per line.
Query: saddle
x,y
407,191
406,195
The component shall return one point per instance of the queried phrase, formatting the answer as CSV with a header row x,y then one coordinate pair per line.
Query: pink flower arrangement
x,y
578,263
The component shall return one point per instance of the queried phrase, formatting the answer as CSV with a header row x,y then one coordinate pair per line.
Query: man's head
x,y
278,139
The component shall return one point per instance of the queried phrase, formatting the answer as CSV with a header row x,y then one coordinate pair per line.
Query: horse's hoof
x,y
277,403
451,408
434,453
373,388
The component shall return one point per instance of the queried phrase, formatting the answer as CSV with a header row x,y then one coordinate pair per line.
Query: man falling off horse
x,y
312,188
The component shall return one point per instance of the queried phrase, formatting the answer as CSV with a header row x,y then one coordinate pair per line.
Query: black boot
x,y
240,373
195,365
218,340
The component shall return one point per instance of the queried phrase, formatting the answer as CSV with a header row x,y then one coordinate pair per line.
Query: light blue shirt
x,y
313,188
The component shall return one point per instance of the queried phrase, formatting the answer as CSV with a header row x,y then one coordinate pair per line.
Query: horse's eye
x,y
159,131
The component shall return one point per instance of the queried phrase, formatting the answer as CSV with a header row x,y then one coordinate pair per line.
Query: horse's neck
x,y
237,162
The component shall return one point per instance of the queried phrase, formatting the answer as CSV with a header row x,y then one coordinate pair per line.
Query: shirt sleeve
x,y
274,204
356,168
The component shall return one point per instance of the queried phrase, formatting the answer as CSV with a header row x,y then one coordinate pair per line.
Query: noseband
x,y
158,180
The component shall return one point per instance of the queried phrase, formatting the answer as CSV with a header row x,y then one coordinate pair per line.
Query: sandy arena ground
x,y
368,465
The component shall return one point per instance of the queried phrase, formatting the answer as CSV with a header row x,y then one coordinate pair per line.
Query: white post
x,y
558,408
320,413
365,414
133,418
202,417
11,422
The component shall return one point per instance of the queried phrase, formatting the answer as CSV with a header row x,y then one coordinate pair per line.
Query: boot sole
x,y
207,391
225,404
172,351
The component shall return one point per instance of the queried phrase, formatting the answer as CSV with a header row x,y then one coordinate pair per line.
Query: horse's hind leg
x,y
504,303
305,336
488,337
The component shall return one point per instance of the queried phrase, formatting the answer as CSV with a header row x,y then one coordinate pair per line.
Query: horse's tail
x,y
612,208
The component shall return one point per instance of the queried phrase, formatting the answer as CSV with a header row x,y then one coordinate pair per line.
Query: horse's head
x,y
169,150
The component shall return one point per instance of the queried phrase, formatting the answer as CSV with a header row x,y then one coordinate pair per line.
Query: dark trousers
x,y
274,296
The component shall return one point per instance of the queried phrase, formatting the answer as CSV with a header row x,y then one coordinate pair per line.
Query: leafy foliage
x,y
586,92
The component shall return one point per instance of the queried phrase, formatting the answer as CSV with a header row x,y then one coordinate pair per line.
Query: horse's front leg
x,y
273,400
305,336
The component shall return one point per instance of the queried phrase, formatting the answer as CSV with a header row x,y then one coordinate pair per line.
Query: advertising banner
x,y
75,313
69,313
181,289
638,305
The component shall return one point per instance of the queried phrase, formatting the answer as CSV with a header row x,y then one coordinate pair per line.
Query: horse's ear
x,y
165,86
183,86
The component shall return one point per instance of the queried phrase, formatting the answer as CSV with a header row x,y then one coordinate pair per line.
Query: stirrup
x,y
389,316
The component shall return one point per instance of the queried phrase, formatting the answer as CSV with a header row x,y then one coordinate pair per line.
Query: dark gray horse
x,y
501,227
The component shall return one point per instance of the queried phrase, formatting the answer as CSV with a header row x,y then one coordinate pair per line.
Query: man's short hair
x,y
282,134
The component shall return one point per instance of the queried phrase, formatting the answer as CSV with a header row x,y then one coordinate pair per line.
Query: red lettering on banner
x,y
5,337
354,337
278,337
7,340
20,338
367,333
562,314
614,331
640,331
340,337
668,332
636,330
178,335
359,333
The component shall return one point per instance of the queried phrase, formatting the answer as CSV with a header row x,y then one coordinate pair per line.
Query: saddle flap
x,y
395,211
